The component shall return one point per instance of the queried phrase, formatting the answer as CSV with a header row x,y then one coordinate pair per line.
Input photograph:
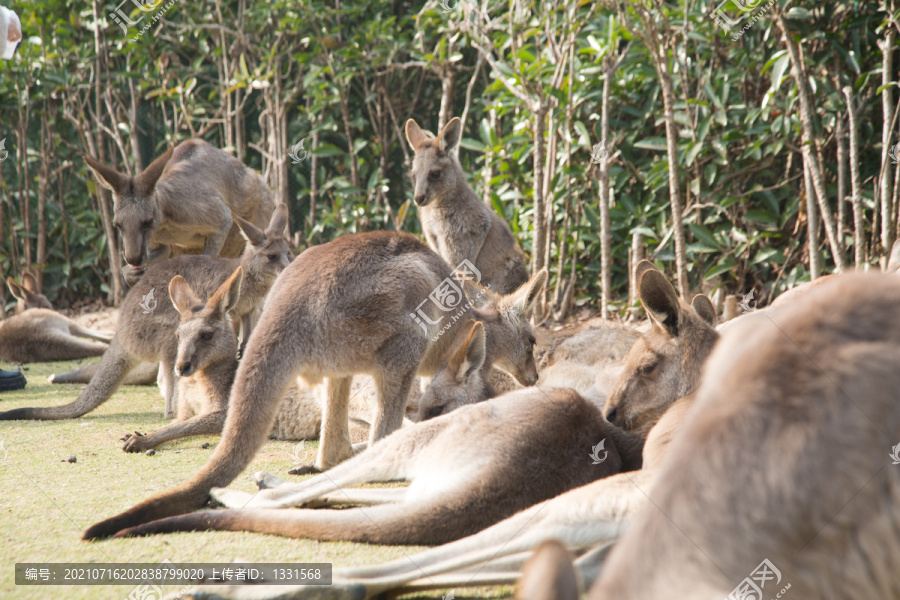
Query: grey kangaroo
x,y
148,319
37,333
458,225
182,204
205,364
345,307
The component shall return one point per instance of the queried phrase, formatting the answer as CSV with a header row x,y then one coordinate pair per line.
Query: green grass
x,y
46,503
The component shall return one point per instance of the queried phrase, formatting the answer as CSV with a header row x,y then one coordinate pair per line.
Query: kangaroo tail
x,y
115,364
259,387
383,524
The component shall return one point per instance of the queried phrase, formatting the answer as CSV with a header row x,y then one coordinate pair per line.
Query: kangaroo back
x,y
788,449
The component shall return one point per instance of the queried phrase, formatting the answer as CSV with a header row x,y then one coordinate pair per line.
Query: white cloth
x,y
10,32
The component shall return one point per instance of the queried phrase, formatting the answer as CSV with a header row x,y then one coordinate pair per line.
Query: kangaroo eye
x,y
273,257
206,336
647,368
146,224
434,411
434,175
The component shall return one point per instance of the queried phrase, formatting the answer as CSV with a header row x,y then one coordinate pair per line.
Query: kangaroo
x,y
458,225
353,305
812,389
147,324
143,374
183,204
27,294
206,362
665,363
42,334
485,477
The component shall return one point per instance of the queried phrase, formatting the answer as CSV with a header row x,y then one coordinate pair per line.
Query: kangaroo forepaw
x,y
305,470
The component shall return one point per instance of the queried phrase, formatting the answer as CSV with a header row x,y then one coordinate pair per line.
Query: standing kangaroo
x,y
182,204
353,305
206,362
39,334
148,320
457,225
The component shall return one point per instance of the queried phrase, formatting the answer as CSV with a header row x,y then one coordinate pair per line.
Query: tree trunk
x,y
812,222
809,144
540,225
859,232
605,228
840,135
887,109
665,78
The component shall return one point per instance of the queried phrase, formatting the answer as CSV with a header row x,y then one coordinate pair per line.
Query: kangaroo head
x,y
206,335
136,211
27,294
509,336
665,363
458,381
435,170
268,252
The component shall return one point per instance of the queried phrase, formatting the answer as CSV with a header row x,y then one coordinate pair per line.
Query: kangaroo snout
x,y
421,200
611,415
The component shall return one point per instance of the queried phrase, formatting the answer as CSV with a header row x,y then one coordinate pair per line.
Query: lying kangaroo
x,y
27,294
458,225
206,362
812,390
486,475
664,364
182,204
353,305
42,334
148,322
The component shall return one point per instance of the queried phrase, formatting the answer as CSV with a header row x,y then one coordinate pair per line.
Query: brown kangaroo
x,y
42,334
458,225
665,363
483,477
182,204
785,457
353,305
148,319
205,364
27,294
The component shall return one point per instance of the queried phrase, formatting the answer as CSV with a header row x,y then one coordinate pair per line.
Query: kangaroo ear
x,y
703,306
183,297
414,134
449,138
109,177
228,294
251,233
549,574
642,267
524,298
894,262
278,222
470,355
18,292
660,300
29,282
145,183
